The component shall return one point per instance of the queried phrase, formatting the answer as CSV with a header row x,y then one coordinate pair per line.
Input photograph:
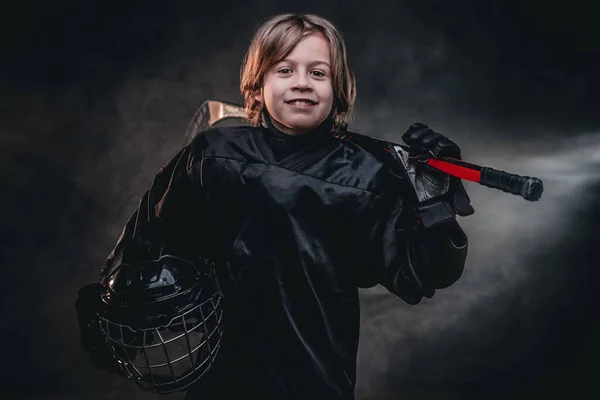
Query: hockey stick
x,y
530,188
210,113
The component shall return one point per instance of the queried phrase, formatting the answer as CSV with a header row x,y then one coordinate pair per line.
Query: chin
x,y
305,123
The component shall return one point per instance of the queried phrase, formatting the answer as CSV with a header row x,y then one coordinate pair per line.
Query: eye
x,y
285,70
320,74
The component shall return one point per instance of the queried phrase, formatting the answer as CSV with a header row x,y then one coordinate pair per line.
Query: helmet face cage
x,y
168,357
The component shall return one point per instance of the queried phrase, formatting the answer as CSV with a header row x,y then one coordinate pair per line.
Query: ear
x,y
259,97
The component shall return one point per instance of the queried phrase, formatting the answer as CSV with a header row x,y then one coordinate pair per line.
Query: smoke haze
x,y
94,98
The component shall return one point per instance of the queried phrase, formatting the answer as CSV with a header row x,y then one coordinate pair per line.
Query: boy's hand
x,y
422,139
430,184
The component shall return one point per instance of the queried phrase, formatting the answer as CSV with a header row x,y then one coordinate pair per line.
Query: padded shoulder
x,y
381,149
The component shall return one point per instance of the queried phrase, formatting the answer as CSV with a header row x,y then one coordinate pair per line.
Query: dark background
x,y
95,96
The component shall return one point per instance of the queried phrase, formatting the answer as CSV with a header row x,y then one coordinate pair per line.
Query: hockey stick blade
x,y
210,113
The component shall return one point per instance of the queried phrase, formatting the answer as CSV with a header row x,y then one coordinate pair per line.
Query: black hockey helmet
x,y
162,321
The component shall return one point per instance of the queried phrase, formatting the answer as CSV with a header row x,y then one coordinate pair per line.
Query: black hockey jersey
x,y
294,232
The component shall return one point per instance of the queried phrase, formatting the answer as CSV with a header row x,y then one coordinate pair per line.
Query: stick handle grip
x,y
528,187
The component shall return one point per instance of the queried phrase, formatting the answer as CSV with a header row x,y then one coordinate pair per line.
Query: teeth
x,y
301,103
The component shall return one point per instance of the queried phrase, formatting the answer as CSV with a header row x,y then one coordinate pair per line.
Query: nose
x,y
302,83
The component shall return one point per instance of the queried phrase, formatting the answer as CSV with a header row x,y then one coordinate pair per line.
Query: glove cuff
x,y
460,199
434,214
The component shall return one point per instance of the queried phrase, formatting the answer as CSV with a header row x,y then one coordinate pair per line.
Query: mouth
x,y
301,103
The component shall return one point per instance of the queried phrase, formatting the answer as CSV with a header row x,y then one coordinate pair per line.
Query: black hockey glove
x,y
87,306
422,139
439,195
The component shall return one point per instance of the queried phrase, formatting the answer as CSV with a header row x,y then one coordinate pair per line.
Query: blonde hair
x,y
273,40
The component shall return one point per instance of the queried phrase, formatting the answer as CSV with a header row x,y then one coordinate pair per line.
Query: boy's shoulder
x,y
378,148
220,134
231,132
235,141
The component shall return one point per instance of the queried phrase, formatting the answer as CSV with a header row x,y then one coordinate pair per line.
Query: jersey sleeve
x,y
168,215
416,259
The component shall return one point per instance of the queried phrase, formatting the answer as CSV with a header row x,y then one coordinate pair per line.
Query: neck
x,y
275,127
289,131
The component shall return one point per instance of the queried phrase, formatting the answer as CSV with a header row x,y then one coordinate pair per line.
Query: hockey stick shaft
x,y
530,188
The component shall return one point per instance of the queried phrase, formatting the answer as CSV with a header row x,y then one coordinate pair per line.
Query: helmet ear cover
x,y
162,321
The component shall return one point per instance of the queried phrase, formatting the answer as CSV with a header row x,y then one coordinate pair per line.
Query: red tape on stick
x,y
455,170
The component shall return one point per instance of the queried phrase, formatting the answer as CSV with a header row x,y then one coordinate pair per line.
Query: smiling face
x,y
297,90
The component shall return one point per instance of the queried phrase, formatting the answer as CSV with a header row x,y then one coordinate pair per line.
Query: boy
x,y
299,213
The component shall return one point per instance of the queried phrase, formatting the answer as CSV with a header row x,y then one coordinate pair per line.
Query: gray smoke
x,y
505,234
76,157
